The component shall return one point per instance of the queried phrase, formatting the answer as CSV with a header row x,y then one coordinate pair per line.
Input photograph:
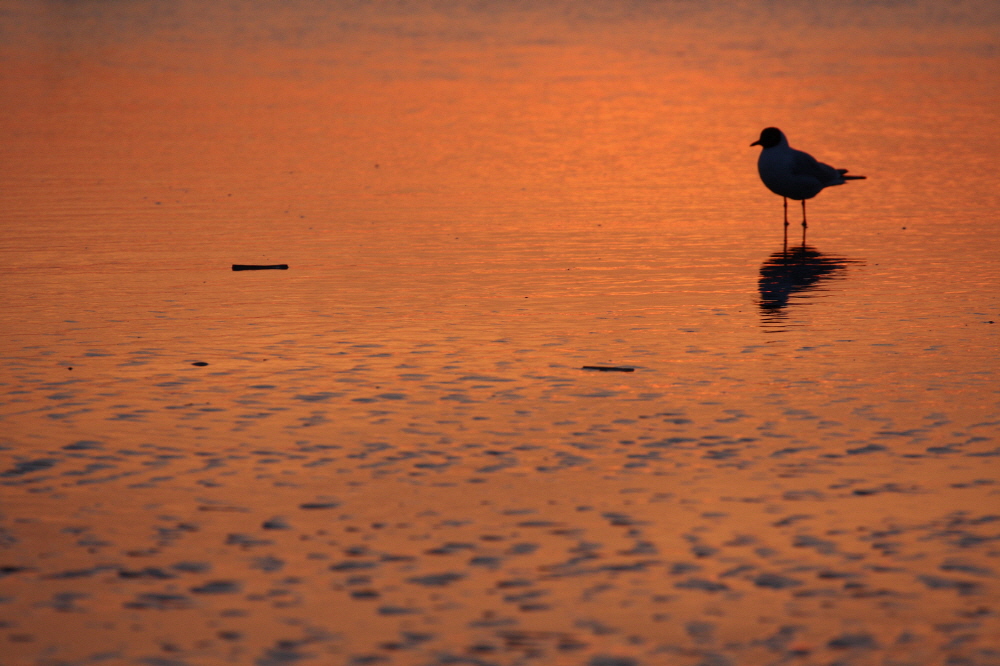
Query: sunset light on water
x,y
391,453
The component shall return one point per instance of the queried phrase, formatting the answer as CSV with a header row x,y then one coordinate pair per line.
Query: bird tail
x,y
843,175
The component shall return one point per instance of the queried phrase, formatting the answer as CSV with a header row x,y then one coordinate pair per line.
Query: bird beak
x,y
756,143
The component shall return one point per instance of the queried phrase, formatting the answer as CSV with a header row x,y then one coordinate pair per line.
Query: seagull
x,y
793,174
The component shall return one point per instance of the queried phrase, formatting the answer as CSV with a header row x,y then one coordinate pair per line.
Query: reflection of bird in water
x,y
793,272
793,174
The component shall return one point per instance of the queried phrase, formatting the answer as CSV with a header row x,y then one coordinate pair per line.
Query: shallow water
x,y
391,452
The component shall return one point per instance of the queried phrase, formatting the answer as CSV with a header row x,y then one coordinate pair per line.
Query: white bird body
x,y
792,173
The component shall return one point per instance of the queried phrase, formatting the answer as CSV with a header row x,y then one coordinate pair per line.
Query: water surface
x,y
390,452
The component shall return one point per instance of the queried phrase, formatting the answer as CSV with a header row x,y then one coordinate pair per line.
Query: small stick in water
x,y
260,267
608,368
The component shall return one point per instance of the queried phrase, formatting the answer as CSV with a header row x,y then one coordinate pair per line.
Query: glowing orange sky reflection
x,y
391,451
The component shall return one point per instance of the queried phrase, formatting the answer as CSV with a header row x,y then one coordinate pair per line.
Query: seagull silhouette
x,y
793,174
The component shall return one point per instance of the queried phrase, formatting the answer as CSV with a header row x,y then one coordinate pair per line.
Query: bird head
x,y
770,137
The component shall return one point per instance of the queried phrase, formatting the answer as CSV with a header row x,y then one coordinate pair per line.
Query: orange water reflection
x,y
392,453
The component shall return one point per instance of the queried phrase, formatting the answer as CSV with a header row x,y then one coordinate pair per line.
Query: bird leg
x,y
804,225
786,211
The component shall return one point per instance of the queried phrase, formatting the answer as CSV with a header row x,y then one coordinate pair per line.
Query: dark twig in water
x,y
608,368
260,267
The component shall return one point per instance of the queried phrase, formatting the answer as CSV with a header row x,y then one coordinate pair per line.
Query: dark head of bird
x,y
769,137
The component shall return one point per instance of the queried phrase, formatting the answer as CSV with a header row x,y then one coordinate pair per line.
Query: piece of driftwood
x,y
608,368
260,267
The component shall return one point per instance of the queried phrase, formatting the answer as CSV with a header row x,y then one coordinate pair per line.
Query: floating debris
x,y
319,505
608,368
260,267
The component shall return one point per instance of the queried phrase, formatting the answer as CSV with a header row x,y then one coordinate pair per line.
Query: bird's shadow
x,y
792,274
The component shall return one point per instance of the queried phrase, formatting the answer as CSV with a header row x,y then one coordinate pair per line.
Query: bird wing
x,y
804,164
